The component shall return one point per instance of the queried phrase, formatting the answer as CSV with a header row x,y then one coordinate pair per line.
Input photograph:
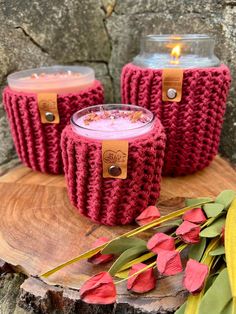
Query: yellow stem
x,y
182,247
128,234
234,306
137,273
210,220
230,250
193,301
160,220
137,260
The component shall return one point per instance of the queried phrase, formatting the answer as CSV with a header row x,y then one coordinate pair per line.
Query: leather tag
x,y
47,104
115,159
172,81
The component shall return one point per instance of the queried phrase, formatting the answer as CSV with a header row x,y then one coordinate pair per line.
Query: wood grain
x,y
39,229
218,176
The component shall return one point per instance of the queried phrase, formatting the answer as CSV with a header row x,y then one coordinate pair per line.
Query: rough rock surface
x,y
106,34
9,291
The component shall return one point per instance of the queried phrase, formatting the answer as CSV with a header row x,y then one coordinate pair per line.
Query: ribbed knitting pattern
x,y
37,144
106,200
193,125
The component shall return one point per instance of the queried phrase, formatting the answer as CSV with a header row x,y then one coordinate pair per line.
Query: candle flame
x,y
175,54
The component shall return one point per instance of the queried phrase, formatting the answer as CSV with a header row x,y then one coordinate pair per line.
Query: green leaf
x,y
210,281
128,234
173,223
137,272
176,222
196,250
123,274
225,198
213,210
228,309
219,251
181,310
140,259
165,218
193,301
214,229
125,257
124,270
196,201
217,296
118,246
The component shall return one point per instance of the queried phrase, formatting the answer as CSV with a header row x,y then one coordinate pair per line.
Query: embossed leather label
x,y
115,159
47,104
172,81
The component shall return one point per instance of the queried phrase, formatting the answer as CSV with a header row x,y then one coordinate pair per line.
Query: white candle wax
x,y
107,122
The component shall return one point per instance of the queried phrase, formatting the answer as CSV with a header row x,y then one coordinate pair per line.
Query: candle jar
x,y
39,104
113,157
181,81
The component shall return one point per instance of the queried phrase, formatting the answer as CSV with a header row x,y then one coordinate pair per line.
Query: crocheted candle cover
x,y
106,200
37,144
193,125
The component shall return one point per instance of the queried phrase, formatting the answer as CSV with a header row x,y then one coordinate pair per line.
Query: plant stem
x,y
160,220
212,219
182,247
128,234
137,260
152,265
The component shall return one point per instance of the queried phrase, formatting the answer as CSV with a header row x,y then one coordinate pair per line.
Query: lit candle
x,y
183,83
55,79
105,122
171,51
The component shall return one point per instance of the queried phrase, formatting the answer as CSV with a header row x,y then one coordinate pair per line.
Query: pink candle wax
x,y
55,79
107,122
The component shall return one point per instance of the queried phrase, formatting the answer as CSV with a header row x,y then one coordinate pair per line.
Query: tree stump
x,y
40,229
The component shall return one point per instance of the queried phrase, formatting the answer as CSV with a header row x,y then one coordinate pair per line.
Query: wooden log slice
x,y
40,229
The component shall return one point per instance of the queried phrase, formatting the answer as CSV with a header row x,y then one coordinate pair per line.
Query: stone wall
x,y
105,34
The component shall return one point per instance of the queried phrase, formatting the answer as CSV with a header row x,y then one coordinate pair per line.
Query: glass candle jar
x,y
113,199
55,79
182,82
173,51
105,122
39,104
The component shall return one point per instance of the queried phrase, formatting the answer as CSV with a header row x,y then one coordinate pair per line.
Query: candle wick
x,y
34,76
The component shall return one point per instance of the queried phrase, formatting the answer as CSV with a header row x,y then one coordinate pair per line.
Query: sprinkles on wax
x,y
53,75
133,116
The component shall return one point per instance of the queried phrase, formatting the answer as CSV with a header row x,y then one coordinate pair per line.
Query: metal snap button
x,y
49,116
171,93
114,170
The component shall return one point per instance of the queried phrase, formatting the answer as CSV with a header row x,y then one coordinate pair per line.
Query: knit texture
x,y
106,200
37,144
192,126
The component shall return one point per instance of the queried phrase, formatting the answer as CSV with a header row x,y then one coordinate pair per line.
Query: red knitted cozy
x,y
192,126
37,144
106,200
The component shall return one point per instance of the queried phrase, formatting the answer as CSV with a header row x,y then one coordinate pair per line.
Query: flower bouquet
x,y
199,239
